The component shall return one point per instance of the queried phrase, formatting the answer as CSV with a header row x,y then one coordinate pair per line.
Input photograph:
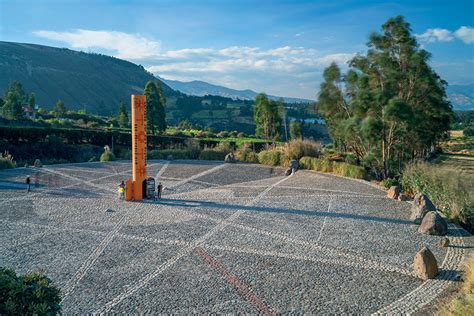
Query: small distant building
x,y
29,112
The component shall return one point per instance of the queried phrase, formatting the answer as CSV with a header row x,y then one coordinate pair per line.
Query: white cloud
x,y
435,35
240,67
466,34
124,45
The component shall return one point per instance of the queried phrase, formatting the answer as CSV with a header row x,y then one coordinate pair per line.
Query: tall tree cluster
x,y
267,117
390,106
122,116
155,107
12,105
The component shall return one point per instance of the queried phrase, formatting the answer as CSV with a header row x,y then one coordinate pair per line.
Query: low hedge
x,y
339,168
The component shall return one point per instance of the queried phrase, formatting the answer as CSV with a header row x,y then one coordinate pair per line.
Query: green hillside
x,y
82,80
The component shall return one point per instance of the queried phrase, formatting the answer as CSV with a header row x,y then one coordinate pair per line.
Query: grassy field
x,y
459,155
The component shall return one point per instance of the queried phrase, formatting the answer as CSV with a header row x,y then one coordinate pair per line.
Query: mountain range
x,y
201,88
99,82
81,80
461,96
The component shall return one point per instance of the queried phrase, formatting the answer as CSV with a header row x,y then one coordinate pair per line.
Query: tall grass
x,y
246,154
6,161
271,157
339,168
297,148
444,186
463,303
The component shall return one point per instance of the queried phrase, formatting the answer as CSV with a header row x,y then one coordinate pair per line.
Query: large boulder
x,y
421,205
433,224
230,158
393,192
425,265
38,163
294,164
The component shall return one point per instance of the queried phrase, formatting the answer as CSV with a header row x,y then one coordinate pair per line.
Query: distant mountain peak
x,y
202,88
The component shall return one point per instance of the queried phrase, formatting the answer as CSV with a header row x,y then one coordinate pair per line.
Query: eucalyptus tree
x,y
155,107
122,116
390,105
267,117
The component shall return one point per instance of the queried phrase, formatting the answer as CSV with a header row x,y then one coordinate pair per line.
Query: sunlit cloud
x,y
435,35
124,45
466,34
240,67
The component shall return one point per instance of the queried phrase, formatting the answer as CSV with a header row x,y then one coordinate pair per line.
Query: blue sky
x,y
279,47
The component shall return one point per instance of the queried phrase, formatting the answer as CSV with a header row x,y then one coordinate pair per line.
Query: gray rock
x,y
425,265
294,164
421,205
230,158
433,224
393,192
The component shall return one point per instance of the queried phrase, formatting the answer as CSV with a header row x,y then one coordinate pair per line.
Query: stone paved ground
x,y
225,238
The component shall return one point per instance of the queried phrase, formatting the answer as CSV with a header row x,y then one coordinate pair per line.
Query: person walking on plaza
x,y
28,183
159,189
122,191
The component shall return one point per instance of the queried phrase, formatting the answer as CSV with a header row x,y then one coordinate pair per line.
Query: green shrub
x,y
225,147
212,154
387,183
107,155
193,147
446,188
469,131
29,294
271,157
6,164
350,159
6,161
297,148
351,171
339,168
246,155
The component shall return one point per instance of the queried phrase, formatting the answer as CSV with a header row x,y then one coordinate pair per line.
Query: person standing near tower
x,y
159,189
122,191
28,183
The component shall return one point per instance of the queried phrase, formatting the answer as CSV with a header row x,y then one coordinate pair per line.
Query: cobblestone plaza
x,y
224,238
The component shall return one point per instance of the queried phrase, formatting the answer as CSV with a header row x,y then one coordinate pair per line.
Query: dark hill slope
x,y
96,82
